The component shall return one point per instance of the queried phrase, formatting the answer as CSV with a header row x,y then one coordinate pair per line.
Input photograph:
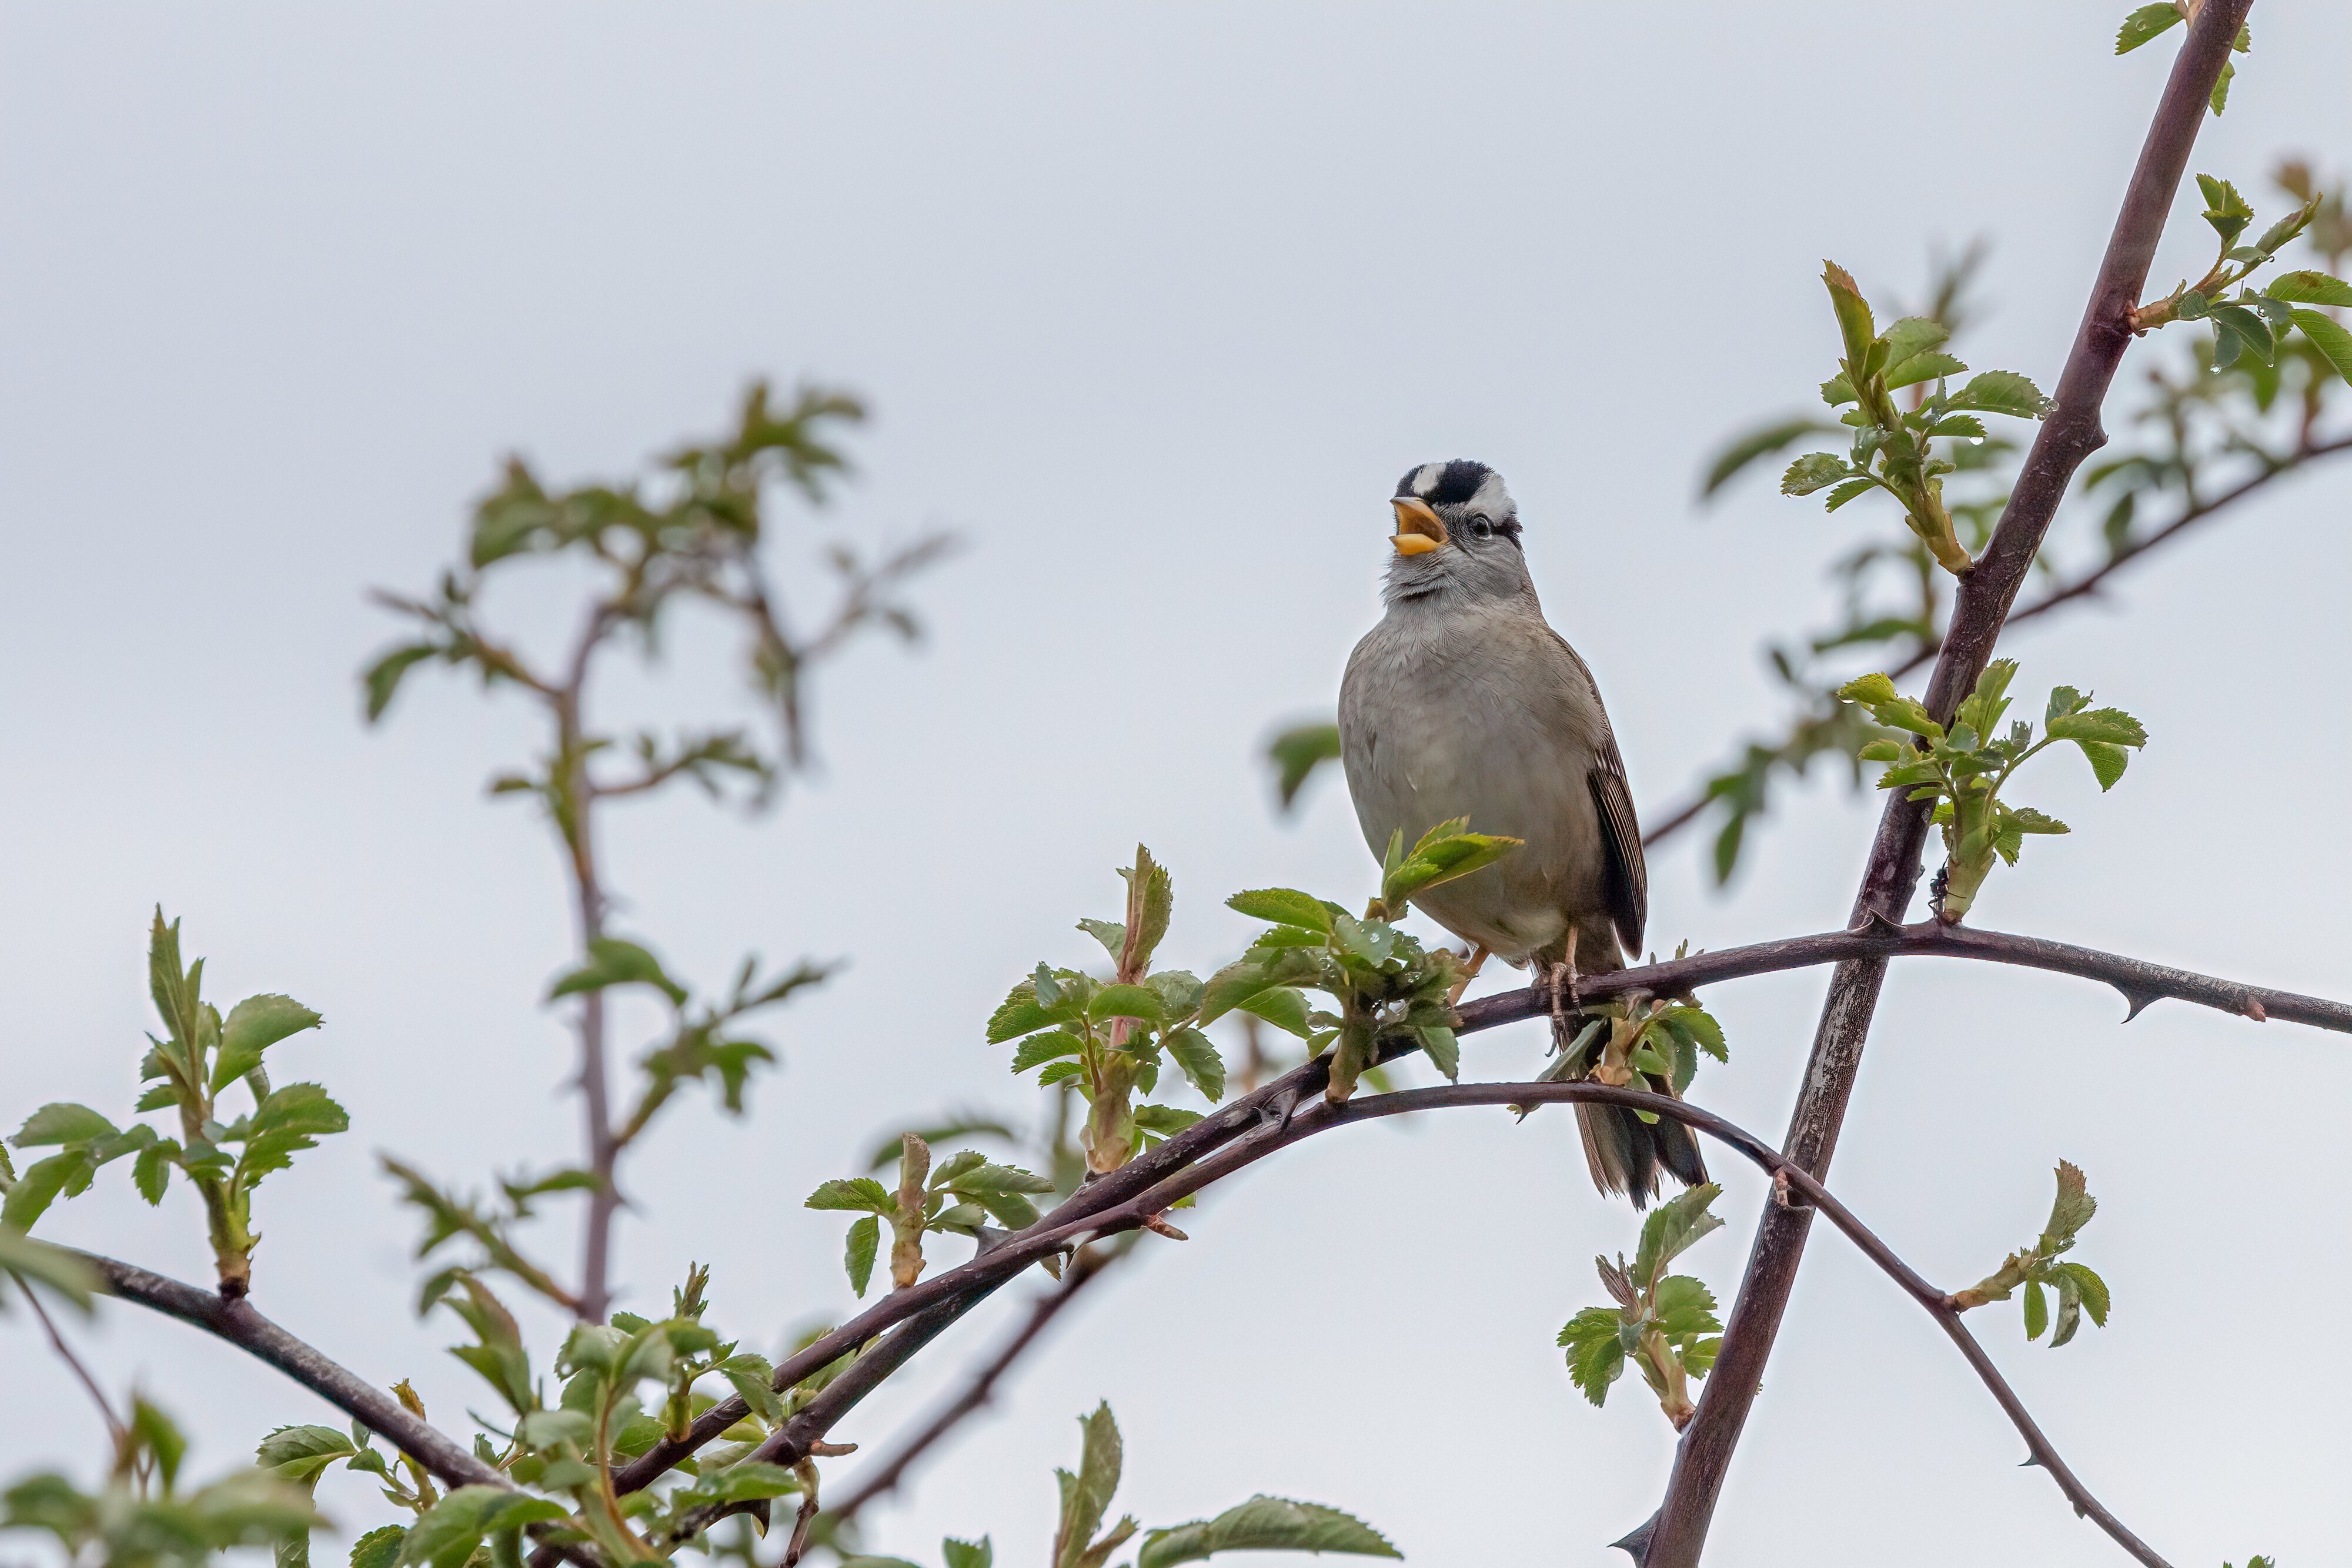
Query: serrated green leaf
x,y
2107,761
1683,1306
857,1259
2329,337
37,1261
1050,1045
1117,1001
290,1120
1814,471
1086,1494
1923,368
2071,1211
299,1453
2308,287
1673,1227
1856,330
2037,1309
613,962
1282,906
379,1548
1284,1007
2000,392
984,1179
1444,1052
1596,1356
981,1553
753,1378
61,1122
1230,987
1198,1060
2145,24
2091,1288
856,1193
254,1025
1264,1524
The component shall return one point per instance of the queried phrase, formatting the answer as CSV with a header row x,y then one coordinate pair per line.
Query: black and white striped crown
x,y
1459,482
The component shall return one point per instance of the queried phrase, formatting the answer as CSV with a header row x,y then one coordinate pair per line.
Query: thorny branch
x,y
2068,437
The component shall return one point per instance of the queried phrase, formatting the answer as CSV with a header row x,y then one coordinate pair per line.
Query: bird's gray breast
x,y
1480,711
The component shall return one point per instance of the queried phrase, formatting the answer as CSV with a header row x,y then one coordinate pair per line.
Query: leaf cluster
x,y
1261,1524
1963,768
1108,1039
201,1057
960,1195
141,1518
2041,1271
2254,325
2151,21
1893,448
1664,1323
1638,1041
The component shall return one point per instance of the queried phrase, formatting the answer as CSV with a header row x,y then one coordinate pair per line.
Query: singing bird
x,y
1463,702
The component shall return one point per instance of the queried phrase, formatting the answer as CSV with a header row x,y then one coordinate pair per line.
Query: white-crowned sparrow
x,y
1463,702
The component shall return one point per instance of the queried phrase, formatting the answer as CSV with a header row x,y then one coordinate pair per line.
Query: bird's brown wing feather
x,y
1621,837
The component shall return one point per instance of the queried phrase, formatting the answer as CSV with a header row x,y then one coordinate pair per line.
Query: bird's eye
x,y
1481,529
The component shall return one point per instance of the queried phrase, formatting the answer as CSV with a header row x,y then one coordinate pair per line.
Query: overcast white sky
x,y
1153,304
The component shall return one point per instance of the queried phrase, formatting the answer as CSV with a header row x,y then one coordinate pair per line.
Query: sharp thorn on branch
x,y
1635,1542
2137,1001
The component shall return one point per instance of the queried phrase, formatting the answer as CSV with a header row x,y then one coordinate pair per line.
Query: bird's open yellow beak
x,y
1418,529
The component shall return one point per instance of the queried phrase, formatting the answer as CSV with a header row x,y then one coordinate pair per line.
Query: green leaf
x,y
1923,368
1086,1495
1111,934
2037,1309
981,1553
982,1180
1284,1007
1852,489
1296,753
2310,288
1050,1045
2090,1288
1230,987
1672,1228
290,1120
1855,326
1284,906
856,1193
461,1518
2111,725
2219,97
2225,209
60,1270
1022,1013
61,1122
2145,24
254,1026
379,1548
613,962
1596,1354
1814,471
865,1241
1165,1120
1262,1524
1836,391
2001,391
1911,336
2071,1211
1199,1062
1697,1027
1445,1051
1117,1001
382,679
753,1378
1151,899
299,1453
1683,1306
1741,451
747,1480
2333,341
2107,761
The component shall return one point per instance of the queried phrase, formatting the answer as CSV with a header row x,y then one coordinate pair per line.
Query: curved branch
x,y
237,1323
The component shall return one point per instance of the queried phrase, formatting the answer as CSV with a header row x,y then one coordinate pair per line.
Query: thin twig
x,y
114,1428
2069,435
886,1474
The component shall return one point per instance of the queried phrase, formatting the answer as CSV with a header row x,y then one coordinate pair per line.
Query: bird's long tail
x,y
1625,1153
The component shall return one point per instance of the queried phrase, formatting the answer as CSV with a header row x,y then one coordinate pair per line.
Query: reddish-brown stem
x,y
2069,435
